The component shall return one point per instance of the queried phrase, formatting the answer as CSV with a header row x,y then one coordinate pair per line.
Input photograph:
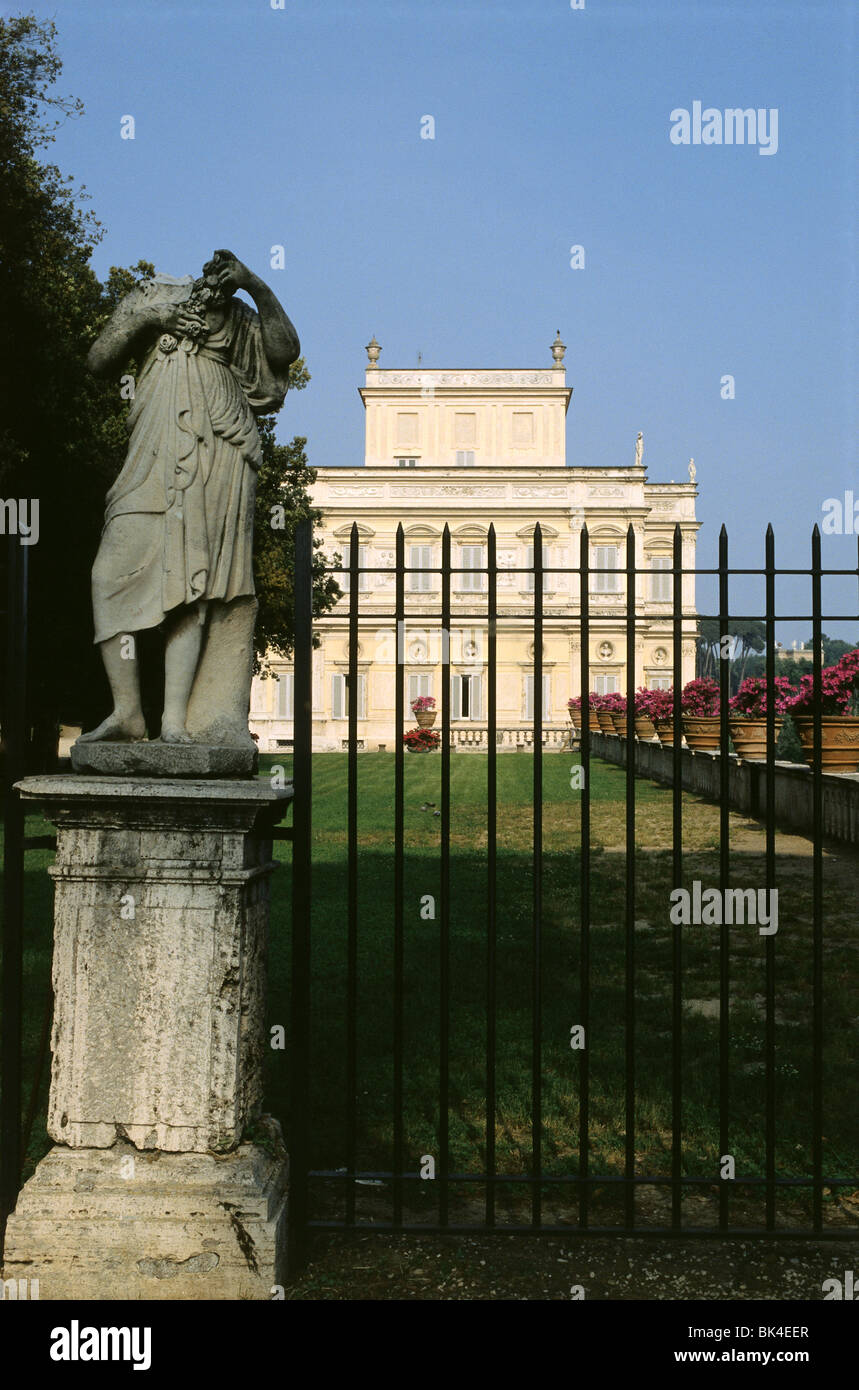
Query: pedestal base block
x,y
119,1224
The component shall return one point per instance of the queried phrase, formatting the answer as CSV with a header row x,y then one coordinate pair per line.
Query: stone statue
x,y
639,449
691,470
177,543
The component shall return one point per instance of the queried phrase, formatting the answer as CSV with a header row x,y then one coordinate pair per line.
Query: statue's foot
x,y
175,733
117,728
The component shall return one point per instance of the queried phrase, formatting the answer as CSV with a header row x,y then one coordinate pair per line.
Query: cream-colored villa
x,y
470,448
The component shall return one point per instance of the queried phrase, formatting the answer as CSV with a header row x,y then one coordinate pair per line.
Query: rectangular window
x,y
471,559
465,458
661,584
529,565
605,685
466,697
419,684
284,698
259,697
340,696
606,558
407,463
420,558
528,712
660,683
363,579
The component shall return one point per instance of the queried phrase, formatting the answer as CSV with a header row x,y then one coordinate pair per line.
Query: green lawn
x,y
560,980
560,962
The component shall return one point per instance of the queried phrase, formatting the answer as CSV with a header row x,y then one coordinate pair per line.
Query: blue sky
x,y
301,126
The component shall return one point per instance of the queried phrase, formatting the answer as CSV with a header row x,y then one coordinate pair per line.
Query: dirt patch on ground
x,y
561,1268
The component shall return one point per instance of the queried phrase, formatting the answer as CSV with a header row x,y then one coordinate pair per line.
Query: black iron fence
x,y
574,1184
545,1143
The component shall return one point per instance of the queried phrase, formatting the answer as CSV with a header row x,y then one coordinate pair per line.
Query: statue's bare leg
x,y
181,657
126,722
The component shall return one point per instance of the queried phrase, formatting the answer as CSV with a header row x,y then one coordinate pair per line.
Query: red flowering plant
x,y
423,702
574,702
750,701
700,698
419,739
838,688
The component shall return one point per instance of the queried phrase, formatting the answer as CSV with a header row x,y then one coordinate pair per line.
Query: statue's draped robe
x,y
179,518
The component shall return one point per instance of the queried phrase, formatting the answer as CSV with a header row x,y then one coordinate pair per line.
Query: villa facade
x,y
466,448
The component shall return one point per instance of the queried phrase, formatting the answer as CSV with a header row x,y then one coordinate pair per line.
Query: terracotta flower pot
x,y
593,722
425,717
702,732
750,737
619,722
839,741
606,722
645,727
665,732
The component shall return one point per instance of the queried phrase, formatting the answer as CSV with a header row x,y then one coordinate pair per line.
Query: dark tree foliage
x,y
62,431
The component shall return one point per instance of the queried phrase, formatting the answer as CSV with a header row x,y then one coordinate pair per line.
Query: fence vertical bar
x,y
585,878
677,874
13,876
491,871
399,820
769,1038
817,887
724,871
537,962
444,925
629,1156
352,882
302,776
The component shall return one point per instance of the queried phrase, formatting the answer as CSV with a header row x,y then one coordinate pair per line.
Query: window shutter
x,y
529,697
455,697
476,697
338,691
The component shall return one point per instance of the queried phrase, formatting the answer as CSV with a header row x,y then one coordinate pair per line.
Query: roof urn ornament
x,y
558,350
372,350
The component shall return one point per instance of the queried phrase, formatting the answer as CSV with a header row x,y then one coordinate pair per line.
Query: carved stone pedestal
x,y
160,928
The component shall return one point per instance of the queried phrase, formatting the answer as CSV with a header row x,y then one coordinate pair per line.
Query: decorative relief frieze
x,y
501,377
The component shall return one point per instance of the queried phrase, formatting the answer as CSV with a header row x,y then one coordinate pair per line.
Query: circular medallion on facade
x,y
606,650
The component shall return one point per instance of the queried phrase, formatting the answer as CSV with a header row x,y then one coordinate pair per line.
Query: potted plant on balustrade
x,y
617,709
595,703
747,719
643,713
608,706
661,709
574,710
700,701
421,740
839,711
423,708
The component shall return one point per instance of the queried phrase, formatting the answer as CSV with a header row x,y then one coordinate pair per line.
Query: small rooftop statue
x,y
177,543
639,449
691,470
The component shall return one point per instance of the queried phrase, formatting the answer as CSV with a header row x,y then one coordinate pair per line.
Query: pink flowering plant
x,y
423,702
700,698
654,704
750,701
838,688
614,702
